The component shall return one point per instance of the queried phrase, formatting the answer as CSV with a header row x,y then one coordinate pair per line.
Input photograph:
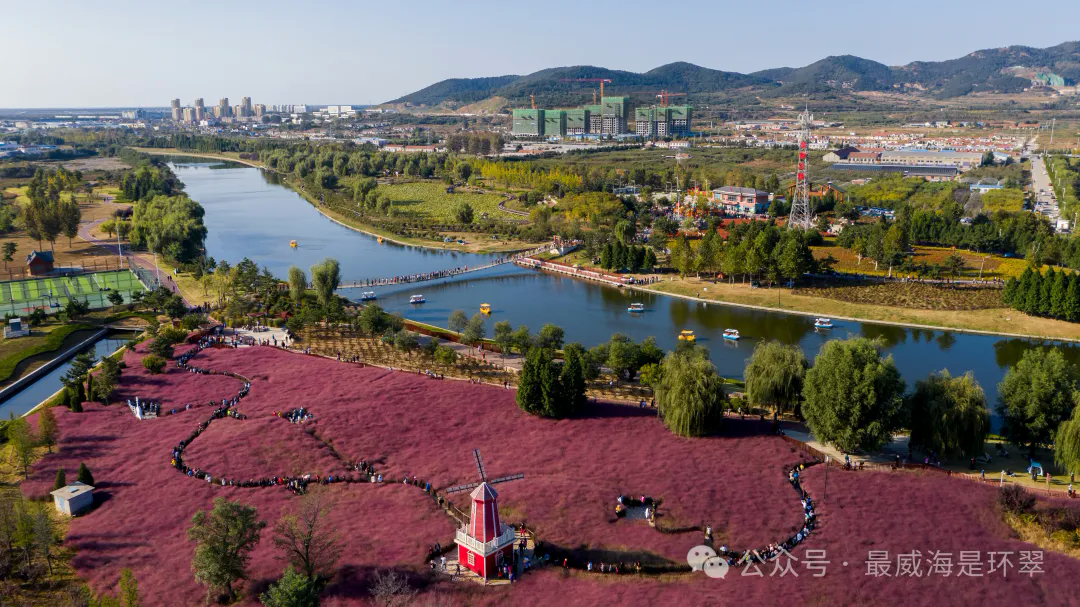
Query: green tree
x,y
22,439
1072,300
291,590
464,213
540,388
129,588
47,428
949,415
107,379
572,379
9,253
474,330
445,356
550,336
326,277
70,215
1036,396
371,320
650,260
624,356
1059,292
175,307
224,538
774,375
690,394
522,339
297,283
852,396
61,479
153,363
406,341
504,336
115,298
83,475
1067,443
457,321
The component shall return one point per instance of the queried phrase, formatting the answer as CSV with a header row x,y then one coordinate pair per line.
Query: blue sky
x,y
127,53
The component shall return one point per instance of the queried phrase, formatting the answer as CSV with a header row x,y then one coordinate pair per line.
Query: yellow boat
x,y
379,239
687,336
293,244
485,308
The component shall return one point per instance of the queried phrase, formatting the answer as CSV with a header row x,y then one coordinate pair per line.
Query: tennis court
x,y
22,296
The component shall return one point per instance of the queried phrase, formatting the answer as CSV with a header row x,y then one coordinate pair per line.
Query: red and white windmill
x,y
484,542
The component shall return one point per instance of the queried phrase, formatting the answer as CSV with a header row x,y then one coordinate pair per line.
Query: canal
x,y
48,384
247,215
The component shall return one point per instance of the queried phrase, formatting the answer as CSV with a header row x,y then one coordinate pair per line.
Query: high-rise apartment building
x,y
226,111
176,115
200,110
245,106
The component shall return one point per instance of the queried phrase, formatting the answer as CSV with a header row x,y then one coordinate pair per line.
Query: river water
x,y
48,384
249,215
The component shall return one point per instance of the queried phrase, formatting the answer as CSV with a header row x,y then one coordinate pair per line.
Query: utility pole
x,y
800,216
1053,121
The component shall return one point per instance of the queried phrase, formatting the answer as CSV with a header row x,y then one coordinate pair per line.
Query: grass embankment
x,y
51,342
977,265
1002,321
429,201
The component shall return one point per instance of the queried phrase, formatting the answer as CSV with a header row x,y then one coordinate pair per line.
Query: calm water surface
x,y
247,215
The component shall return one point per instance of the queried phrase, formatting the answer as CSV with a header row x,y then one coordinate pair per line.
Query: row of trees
x,y
754,249
1055,294
635,258
475,143
49,214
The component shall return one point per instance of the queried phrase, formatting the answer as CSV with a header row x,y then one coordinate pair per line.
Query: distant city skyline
x,y
347,53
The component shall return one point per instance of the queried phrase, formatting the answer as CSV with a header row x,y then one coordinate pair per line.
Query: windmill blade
x,y
479,464
464,487
507,478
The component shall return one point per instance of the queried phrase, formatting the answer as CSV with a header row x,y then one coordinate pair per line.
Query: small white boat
x,y
823,323
416,299
636,307
367,296
731,334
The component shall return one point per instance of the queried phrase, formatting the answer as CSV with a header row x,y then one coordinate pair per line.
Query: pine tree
x,y
61,479
605,257
1031,297
84,475
1072,300
530,393
1046,287
573,383
650,260
1058,291
1018,298
90,385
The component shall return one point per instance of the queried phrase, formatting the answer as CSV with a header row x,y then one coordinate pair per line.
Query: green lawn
x,y
429,200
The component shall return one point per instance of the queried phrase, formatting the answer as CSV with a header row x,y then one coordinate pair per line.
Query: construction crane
x,y
664,95
600,80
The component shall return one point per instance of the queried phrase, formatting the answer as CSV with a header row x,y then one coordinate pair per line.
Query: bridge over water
x,y
439,274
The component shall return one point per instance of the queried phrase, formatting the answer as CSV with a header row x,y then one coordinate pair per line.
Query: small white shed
x,y
73,498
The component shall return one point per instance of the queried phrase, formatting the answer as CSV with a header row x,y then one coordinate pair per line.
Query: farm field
x,y
429,200
734,482
911,295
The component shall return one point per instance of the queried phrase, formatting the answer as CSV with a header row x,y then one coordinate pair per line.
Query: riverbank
x,y
478,247
986,322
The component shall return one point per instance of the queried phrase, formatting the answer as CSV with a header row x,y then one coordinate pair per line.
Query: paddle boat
x,y
731,334
687,336
416,299
378,239
367,296
293,244
485,308
823,323
636,307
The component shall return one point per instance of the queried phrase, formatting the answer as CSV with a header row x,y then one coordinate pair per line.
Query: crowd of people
x,y
143,409
296,415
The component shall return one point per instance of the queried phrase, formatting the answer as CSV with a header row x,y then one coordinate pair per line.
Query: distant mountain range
x,y
1003,70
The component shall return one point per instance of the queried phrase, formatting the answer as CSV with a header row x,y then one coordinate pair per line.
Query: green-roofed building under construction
x,y
662,121
609,118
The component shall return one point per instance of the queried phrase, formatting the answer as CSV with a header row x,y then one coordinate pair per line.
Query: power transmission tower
x,y
801,216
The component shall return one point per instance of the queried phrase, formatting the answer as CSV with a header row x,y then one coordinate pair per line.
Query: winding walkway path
x,y
299,483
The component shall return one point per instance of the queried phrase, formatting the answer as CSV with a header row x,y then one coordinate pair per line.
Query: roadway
x,y
1046,202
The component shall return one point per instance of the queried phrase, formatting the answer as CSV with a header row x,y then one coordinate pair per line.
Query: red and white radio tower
x,y
801,216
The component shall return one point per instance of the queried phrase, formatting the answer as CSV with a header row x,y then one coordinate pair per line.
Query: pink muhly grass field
x,y
410,424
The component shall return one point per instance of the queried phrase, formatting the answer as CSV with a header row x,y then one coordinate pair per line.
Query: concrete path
x,y
143,260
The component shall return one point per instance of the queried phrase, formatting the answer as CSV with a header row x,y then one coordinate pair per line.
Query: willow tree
x,y
326,277
949,414
774,375
690,394
297,283
1067,443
